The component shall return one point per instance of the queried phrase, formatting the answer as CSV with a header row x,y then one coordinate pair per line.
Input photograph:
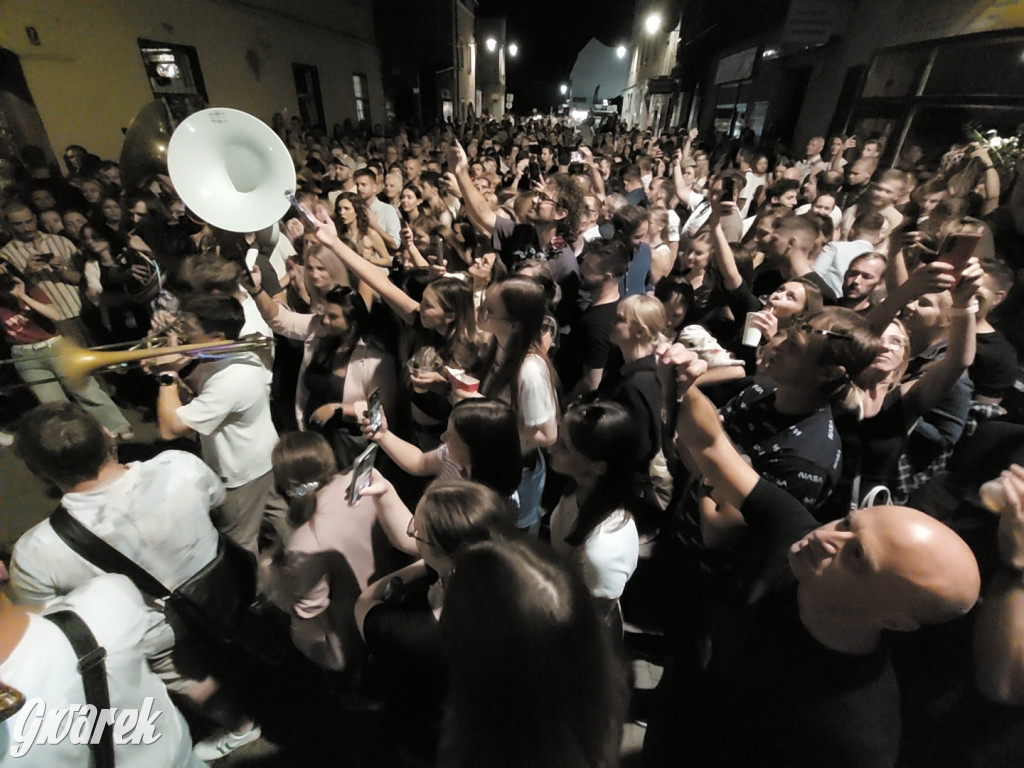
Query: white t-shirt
x,y
609,555
753,182
231,413
536,393
387,218
283,250
157,514
43,666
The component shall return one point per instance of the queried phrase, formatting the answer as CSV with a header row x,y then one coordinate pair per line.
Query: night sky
x,y
549,34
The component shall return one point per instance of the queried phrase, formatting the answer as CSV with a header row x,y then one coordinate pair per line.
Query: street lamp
x,y
653,23
491,44
513,49
621,51
563,88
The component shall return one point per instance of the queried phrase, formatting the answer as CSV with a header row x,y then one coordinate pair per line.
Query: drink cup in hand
x,y
751,334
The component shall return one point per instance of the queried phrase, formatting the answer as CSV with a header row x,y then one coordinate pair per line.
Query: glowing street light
x,y
653,23
563,88
513,49
621,51
491,44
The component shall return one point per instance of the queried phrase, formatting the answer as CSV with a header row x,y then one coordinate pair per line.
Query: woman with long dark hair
x,y
481,444
598,450
513,310
342,365
352,221
442,333
534,678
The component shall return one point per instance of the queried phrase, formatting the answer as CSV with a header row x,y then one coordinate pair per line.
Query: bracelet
x,y
970,309
989,167
257,292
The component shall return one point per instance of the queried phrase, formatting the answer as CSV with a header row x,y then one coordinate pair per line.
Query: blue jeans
x,y
530,490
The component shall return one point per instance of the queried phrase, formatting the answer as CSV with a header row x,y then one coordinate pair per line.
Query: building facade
x,y
429,56
911,72
77,73
651,99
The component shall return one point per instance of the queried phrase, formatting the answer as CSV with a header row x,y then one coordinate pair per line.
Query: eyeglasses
x,y
410,531
807,328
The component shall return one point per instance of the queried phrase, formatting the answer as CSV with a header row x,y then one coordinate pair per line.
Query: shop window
x,y
978,67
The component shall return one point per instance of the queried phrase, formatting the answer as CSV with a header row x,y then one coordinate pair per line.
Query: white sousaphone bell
x,y
231,169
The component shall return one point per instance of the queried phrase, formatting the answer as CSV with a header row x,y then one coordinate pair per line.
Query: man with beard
x,y
863,276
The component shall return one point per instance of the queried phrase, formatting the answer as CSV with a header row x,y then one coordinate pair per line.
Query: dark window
x,y
307,91
174,76
895,74
976,67
362,94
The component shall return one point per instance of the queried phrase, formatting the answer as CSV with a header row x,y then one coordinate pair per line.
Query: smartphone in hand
x,y
958,248
374,411
361,473
311,222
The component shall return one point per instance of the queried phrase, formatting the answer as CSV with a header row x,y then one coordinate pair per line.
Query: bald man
x,y
792,669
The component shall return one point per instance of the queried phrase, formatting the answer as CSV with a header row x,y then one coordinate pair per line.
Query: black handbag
x,y
215,601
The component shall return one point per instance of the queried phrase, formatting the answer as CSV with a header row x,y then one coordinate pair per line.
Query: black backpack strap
x,y
94,678
94,549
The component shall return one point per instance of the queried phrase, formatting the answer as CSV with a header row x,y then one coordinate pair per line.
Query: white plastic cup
x,y
751,335
992,495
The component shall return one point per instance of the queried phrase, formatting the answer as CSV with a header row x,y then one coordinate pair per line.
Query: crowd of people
x,y
502,406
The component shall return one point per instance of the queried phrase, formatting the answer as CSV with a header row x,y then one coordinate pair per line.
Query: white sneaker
x,y
223,743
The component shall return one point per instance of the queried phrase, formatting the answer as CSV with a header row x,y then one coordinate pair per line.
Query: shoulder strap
x,y
94,549
94,678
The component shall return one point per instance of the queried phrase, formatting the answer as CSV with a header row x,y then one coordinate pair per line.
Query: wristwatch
x,y
167,379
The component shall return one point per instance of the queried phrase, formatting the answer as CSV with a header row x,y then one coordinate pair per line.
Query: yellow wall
x,y
88,79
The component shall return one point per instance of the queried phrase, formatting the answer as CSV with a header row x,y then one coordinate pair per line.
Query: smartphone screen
x,y
728,191
374,411
361,470
576,157
958,249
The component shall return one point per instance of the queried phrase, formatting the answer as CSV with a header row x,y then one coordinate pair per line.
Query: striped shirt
x,y
64,296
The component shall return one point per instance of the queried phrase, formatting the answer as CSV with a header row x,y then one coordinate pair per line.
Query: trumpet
x,y
74,364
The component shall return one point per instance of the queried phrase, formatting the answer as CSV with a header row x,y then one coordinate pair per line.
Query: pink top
x,y
329,561
369,368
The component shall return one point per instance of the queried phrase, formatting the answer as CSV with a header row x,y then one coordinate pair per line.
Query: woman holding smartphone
x,y
333,553
342,363
441,332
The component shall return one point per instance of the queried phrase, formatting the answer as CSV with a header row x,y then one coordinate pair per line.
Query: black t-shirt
x,y
801,453
636,387
587,344
771,694
994,369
